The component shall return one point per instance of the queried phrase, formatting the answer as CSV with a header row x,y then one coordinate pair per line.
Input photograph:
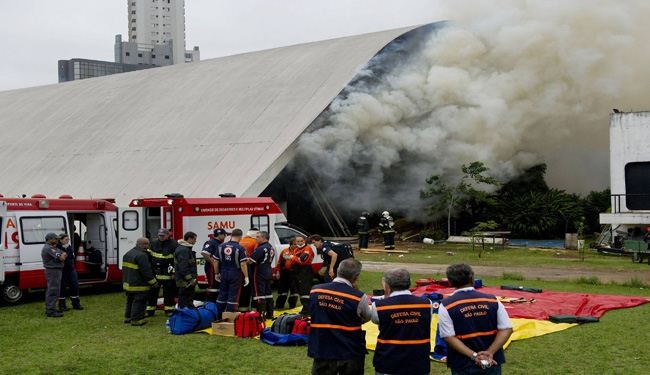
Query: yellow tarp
x,y
523,328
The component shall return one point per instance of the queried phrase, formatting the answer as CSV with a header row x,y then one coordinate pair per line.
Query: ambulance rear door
x,y
3,215
130,226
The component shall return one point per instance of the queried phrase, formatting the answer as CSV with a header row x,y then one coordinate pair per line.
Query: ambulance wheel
x,y
11,293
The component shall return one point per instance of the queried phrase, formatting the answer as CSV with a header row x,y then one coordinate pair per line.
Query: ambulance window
x,y
34,229
261,222
130,220
286,234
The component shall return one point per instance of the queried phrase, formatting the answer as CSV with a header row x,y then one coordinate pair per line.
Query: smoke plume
x,y
508,83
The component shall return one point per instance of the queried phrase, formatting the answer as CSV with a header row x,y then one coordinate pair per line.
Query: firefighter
x,y
288,281
230,263
185,262
53,260
138,281
69,281
209,249
363,229
162,261
304,273
386,227
249,243
262,257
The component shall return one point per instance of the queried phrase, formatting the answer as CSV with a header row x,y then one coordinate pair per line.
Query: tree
x,y
537,214
450,197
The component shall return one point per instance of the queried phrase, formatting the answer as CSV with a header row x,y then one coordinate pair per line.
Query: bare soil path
x,y
530,273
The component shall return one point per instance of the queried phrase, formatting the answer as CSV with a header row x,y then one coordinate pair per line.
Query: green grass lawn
x,y
497,256
95,341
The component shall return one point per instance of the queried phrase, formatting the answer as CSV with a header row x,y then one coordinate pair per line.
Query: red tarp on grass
x,y
528,305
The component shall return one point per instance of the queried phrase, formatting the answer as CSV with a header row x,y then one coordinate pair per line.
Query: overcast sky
x,y
35,34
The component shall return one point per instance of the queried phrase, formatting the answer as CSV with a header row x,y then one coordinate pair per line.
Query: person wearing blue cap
x,y
53,260
208,252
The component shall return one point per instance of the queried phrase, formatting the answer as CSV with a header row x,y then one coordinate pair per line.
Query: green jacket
x,y
137,275
185,261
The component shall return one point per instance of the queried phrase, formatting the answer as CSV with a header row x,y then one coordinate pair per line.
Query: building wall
x,y
154,22
629,143
76,69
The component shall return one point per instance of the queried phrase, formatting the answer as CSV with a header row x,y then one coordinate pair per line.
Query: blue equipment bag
x,y
282,339
188,319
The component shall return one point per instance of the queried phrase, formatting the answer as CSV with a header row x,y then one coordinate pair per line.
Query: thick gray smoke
x,y
508,83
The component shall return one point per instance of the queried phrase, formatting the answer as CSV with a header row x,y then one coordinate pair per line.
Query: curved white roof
x,y
217,126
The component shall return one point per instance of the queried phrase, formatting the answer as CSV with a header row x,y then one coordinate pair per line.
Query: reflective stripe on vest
x,y
404,342
130,265
477,334
161,256
410,306
163,277
336,326
136,288
462,301
335,293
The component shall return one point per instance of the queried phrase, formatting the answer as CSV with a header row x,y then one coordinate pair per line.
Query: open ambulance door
x,y
130,227
3,215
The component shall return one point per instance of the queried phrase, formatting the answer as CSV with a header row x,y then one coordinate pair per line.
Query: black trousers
x,y
135,306
186,296
363,240
305,275
69,283
246,292
338,367
169,293
389,240
287,288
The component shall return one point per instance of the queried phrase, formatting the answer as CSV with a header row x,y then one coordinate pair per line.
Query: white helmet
x,y
385,214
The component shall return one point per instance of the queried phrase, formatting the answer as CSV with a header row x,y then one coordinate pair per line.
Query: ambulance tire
x,y
11,293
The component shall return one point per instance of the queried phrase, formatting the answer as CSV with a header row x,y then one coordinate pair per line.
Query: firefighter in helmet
x,y
386,227
161,254
363,229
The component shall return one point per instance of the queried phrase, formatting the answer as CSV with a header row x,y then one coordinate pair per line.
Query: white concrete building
x,y
159,22
225,125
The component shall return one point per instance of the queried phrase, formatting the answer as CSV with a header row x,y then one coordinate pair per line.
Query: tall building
x,y
156,32
159,23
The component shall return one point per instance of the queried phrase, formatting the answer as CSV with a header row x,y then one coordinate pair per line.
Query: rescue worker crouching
x,y
162,263
186,274
330,257
386,228
262,257
288,282
230,262
138,280
209,250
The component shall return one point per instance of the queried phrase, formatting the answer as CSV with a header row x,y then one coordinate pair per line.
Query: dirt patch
x,y
530,273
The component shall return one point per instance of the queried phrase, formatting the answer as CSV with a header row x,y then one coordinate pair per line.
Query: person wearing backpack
x,y
386,227
304,272
262,257
185,261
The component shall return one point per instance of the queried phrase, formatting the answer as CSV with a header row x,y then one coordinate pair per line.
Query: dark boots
x,y
76,303
62,305
269,309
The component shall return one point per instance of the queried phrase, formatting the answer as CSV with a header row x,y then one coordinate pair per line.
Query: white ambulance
x,y
145,216
24,222
102,232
